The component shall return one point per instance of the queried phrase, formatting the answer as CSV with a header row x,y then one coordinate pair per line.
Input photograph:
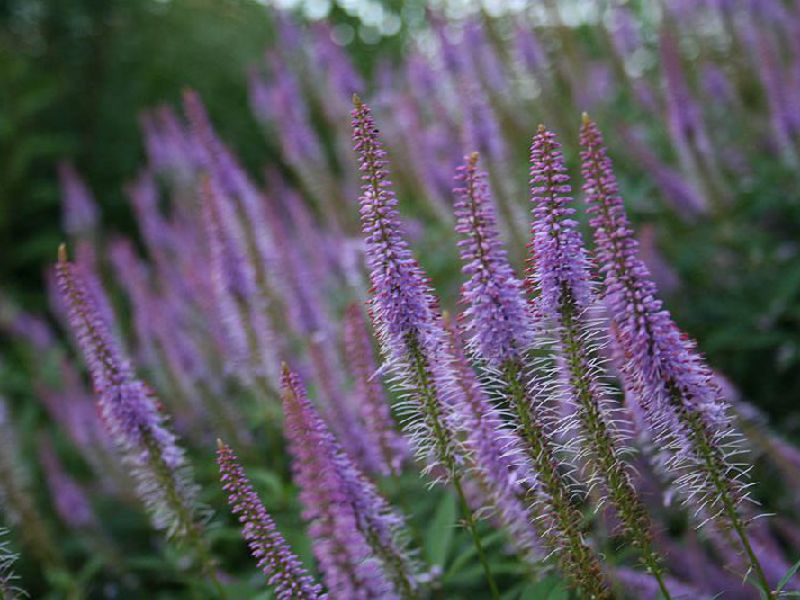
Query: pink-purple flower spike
x,y
129,412
687,416
285,573
497,323
352,529
371,401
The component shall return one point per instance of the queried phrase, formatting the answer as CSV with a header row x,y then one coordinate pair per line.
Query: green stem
x,y
399,573
469,520
191,529
579,563
604,450
714,465
442,439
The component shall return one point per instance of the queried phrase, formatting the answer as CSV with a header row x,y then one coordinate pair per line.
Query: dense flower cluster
x,y
498,322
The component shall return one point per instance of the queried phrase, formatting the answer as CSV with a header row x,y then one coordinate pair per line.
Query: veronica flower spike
x,y
285,573
129,411
499,333
563,304
673,387
357,537
408,326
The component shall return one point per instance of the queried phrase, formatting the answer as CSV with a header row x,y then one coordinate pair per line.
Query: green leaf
x,y
789,574
549,588
439,538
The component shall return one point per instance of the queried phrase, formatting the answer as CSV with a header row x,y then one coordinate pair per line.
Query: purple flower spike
x,y
285,573
562,262
130,412
103,357
403,306
402,300
409,327
561,265
498,327
346,515
689,420
371,400
656,354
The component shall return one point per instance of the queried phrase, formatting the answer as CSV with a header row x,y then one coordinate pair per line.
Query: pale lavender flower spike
x,y
371,400
285,573
556,245
497,324
129,411
328,492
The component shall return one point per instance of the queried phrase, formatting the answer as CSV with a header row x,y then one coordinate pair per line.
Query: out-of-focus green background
x,y
75,75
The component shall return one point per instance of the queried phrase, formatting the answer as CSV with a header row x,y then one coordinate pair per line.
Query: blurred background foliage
x,y
75,76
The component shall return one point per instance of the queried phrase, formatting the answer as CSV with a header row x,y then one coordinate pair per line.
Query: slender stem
x,y
710,455
443,444
469,520
398,572
602,439
187,523
579,563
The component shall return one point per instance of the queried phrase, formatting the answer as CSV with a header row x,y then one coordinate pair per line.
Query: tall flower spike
x,y
405,313
370,398
562,289
129,411
402,304
560,259
285,573
356,534
498,327
501,334
662,371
